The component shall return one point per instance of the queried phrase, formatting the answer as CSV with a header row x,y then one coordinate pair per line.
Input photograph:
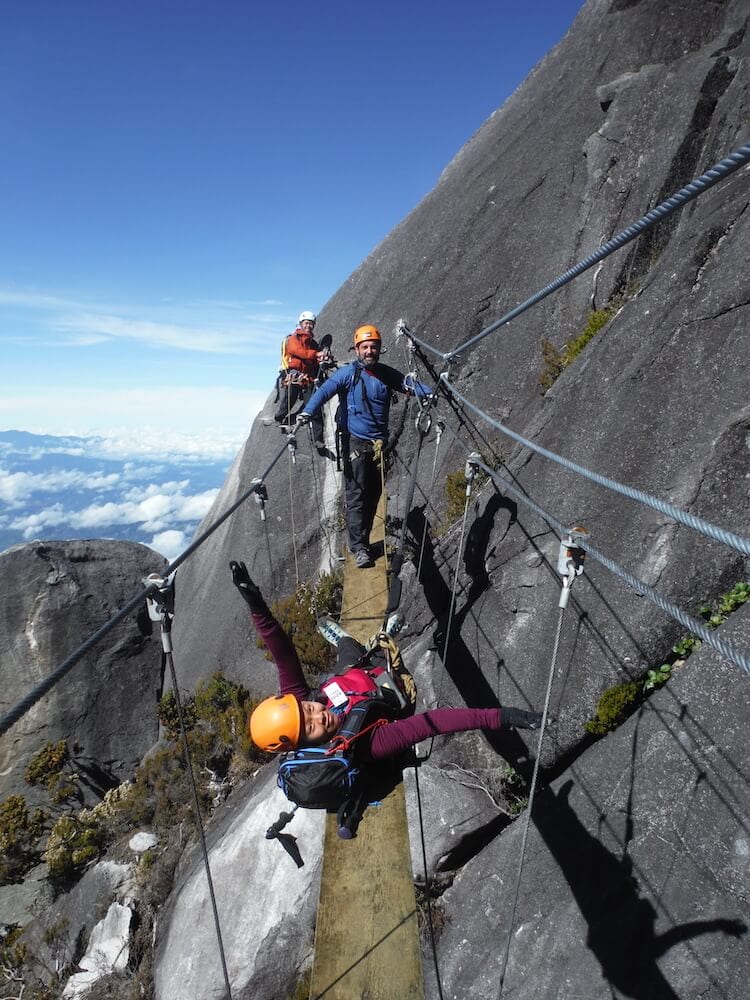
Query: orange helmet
x,y
275,724
363,333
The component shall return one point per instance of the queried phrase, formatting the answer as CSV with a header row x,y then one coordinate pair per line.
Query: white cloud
x,y
169,543
154,509
85,326
15,487
198,326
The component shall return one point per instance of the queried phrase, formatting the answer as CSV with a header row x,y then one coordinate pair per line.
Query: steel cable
x,y
680,198
726,649
532,792
41,689
677,514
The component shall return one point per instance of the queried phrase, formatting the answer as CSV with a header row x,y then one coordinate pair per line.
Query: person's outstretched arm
x,y
393,738
325,392
277,642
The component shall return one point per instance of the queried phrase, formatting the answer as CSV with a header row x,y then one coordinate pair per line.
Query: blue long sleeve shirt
x,y
365,397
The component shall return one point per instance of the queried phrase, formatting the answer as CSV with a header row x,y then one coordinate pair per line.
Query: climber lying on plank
x,y
302,717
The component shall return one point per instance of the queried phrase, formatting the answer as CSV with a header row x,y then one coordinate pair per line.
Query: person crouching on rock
x,y
300,716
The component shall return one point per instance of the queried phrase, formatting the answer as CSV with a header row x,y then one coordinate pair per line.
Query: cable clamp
x,y
471,470
570,560
291,443
261,496
160,604
402,330
423,422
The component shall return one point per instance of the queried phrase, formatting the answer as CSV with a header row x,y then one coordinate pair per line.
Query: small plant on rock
x,y
169,715
20,832
51,768
613,706
74,842
556,360
657,677
298,616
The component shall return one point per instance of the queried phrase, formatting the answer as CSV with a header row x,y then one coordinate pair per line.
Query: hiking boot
x,y
363,559
395,623
331,630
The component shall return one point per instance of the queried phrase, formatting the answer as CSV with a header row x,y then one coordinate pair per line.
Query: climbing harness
x,y
160,604
569,566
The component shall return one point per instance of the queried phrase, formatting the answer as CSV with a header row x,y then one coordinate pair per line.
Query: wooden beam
x,y
366,935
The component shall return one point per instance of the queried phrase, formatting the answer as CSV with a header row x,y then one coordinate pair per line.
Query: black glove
x,y
250,592
519,718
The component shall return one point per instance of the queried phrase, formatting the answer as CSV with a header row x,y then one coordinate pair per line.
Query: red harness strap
x,y
344,743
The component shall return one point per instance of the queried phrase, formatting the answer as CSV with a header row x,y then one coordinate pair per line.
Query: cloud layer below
x,y
70,487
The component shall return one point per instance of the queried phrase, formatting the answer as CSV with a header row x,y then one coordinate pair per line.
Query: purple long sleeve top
x,y
387,740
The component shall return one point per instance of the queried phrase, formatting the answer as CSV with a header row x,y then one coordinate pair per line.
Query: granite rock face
x,y
54,596
636,100
635,881
635,875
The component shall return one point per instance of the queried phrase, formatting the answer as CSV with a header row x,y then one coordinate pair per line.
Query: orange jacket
x,y
301,352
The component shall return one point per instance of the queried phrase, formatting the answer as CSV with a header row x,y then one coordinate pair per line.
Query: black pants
x,y
289,396
362,487
349,651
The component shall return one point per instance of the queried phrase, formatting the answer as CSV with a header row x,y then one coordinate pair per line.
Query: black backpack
x,y
324,777
330,776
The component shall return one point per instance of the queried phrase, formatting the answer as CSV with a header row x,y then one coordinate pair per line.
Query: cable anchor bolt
x,y
261,496
471,470
423,423
160,604
570,560
402,329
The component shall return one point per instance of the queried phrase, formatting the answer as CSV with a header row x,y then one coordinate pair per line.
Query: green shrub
x,y
455,489
50,767
74,842
168,714
717,613
613,706
298,615
555,361
515,790
20,832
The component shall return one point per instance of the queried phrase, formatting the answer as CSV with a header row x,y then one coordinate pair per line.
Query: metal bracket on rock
x,y
423,422
291,443
570,561
261,496
160,604
471,470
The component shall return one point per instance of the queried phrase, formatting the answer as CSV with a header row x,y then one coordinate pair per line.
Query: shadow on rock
x,y
621,923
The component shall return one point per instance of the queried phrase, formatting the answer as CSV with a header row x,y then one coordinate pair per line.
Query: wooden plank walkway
x,y
366,936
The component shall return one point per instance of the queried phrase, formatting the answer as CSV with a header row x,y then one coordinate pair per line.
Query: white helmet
x,y
307,315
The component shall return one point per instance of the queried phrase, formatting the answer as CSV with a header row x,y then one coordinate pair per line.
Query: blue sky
x,y
180,179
